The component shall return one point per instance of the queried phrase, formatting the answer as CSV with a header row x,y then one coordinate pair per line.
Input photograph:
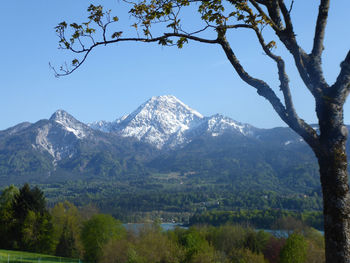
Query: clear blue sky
x,y
117,79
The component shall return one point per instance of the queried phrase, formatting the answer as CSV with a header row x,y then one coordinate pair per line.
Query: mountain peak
x,y
158,119
166,122
69,123
170,102
60,115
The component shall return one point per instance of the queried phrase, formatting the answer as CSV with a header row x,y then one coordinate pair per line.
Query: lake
x,y
165,226
170,226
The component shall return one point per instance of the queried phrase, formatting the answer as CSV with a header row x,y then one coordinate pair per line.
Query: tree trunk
x,y
335,189
333,164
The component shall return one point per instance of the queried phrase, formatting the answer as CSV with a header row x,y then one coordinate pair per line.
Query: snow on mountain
x,y
59,135
104,126
107,126
158,119
166,122
219,124
69,123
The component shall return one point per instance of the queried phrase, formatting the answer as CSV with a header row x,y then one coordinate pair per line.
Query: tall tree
x,y
32,229
67,223
28,200
220,19
97,232
66,246
6,215
295,249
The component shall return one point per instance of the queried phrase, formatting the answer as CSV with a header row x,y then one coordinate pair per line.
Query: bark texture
x,y
333,162
336,207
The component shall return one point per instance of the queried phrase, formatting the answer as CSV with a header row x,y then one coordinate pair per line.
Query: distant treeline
x,y
133,201
262,219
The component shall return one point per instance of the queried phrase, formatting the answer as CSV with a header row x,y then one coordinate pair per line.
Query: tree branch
x,y
274,12
314,65
320,28
291,7
263,2
302,60
237,26
286,16
341,88
263,14
262,87
293,120
87,51
309,67
283,77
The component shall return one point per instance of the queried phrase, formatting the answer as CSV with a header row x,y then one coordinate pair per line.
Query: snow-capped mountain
x,y
218,124
60,135
70,124
104,126
63,146
166,122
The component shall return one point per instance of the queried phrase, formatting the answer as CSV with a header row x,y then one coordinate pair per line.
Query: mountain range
x,y
167,123
162,136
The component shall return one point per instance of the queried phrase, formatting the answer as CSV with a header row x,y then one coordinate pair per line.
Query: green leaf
x,y
181,42
271,45
117,34
163,41
63,24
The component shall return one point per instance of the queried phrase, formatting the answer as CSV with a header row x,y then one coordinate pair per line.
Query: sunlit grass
x,y
20,256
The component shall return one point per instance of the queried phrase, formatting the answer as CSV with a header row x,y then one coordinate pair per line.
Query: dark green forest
x,y
174,198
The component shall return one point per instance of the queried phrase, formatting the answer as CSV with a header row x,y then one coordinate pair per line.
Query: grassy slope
x,y
19,256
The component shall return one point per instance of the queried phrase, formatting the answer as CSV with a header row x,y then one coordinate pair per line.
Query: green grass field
x,y
19,256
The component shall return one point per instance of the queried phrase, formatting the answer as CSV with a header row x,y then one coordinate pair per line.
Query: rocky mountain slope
x,y
167,123
64,146
162,136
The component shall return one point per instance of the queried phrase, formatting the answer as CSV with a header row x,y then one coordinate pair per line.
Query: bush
x,y
97,232
295,249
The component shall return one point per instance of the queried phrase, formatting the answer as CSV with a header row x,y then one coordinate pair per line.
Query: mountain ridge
x,y
166,122
162,136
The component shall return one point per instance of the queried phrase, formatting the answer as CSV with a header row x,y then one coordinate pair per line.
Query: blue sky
x,y
117,79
